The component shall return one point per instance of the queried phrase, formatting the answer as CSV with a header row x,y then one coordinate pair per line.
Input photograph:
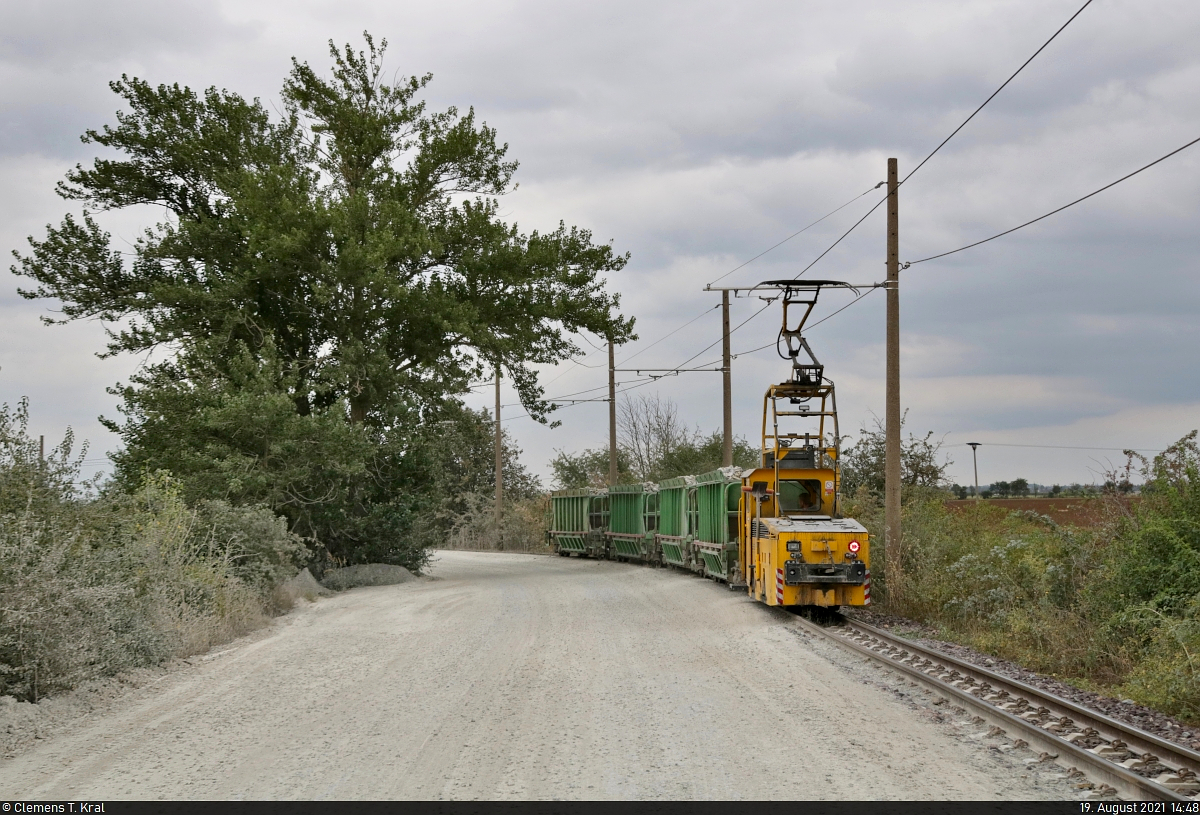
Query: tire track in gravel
x,y
523,677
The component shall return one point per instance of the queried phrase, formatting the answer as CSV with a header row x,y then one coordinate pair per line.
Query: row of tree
x,y
653,443
322,286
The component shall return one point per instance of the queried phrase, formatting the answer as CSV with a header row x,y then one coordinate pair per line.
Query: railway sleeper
x,y
1116,754
1115,750
1179,782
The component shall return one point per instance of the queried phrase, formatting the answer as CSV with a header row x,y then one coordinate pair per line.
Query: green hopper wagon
x,y
578,519
632,522
677,522
718,495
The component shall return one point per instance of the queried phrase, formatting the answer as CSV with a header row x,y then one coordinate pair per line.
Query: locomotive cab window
x,y
802,495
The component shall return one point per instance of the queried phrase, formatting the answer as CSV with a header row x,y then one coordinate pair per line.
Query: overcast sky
x,y
695,135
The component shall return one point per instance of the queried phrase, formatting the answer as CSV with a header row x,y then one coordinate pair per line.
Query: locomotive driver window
x,y
800,496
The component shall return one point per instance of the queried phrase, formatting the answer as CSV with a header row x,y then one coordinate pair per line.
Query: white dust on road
x,y
516,677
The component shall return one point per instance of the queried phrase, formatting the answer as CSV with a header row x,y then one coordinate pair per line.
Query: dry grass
x,y
522,530
89,591
1078,604
91,586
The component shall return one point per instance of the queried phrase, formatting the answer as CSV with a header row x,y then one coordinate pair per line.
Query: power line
x,y
660,339
1058,447
739,325
997,91
794,234
948,138
809,328
1056,211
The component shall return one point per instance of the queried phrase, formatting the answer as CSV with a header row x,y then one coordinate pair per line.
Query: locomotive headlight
x,y
793,546
853,547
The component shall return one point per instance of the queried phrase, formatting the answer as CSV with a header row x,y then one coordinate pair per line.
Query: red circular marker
x,y
853,547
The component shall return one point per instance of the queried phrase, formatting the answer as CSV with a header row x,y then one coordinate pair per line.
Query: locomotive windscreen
x,y
800,496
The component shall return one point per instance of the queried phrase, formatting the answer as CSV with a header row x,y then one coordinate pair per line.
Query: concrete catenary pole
x,y
612,415
892,532
727,384
974,445
499,469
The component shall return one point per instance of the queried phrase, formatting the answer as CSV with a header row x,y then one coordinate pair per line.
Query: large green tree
x,y
323,282
359,233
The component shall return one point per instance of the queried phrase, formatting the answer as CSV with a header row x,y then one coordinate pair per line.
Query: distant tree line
x,y
653,444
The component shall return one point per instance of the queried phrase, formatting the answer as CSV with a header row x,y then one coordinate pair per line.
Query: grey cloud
x,y
698,134
55,35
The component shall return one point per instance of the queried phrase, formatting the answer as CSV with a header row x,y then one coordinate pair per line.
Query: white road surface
x,y
526,677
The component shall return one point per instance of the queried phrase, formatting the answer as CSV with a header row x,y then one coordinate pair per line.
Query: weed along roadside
x,y
95,585
1111,606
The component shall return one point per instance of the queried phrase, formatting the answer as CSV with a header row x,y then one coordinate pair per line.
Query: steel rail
x,y
1125,782
1110,729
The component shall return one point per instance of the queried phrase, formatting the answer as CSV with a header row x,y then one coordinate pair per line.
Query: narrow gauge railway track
x,y
1124,760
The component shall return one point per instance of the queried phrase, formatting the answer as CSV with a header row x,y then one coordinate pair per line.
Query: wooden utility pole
x,y
612,415
727,441
891,506
499,469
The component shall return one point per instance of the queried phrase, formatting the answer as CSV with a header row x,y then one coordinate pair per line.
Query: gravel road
x,y
517,677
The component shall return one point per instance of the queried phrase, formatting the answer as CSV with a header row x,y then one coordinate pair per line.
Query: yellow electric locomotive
x,y
784,540
794,547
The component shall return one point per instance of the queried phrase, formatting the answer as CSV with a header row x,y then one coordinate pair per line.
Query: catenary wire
x,y
880,202
997,91
794,234
948,138
732,356
622,390
735,328
1058,447
1056,211
943,143
564,395
807,328
660,339
622,362
685,362
843,237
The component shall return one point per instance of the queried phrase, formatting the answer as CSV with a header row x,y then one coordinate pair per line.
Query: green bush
x,y
1116,607
91,586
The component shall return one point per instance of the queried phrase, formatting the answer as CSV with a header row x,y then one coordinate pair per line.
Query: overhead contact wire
x,y
952,134
794,234
807,328
997,91
1056,211
739,325
660,339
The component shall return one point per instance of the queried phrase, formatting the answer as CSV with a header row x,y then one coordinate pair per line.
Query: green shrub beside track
x,y
1115,608
94,585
